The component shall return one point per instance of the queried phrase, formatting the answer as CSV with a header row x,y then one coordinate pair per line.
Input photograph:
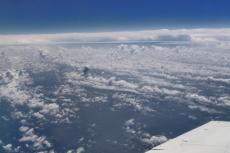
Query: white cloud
x,y
130,122
196,35
39,115
8,147
198,98
224,100
39,142
23,128
52,109
204,109
154,140
80,150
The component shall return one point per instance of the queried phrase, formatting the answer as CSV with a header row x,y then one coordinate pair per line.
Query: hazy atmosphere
x,y
101,77
111,92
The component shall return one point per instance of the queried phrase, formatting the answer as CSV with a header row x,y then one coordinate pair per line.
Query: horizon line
x,y
114,31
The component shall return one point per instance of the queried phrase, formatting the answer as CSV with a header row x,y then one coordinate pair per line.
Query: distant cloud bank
x,y
192,35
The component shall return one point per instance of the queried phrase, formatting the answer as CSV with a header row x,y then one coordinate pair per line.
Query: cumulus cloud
x,y
154,140
39,142
129,126
80,150
8,147
204,109
52,109
188,66
23,128
198,98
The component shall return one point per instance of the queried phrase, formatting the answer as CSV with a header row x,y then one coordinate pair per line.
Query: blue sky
x,y
48,16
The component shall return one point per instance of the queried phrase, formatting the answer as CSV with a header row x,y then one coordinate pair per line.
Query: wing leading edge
x,y
213,137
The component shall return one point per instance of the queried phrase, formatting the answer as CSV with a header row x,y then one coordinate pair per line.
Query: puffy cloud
x,y
39,142
204,109
8,147
131,100
80,150
52,109
130,122
39,115
23,128
198,98
224,100
154,140
129,126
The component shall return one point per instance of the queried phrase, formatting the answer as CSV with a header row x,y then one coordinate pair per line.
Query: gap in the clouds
x,y
9,125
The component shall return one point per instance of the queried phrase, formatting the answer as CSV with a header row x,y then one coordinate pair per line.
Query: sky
x,y
52,16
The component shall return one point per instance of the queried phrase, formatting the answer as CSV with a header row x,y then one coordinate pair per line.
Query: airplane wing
x,y
213,137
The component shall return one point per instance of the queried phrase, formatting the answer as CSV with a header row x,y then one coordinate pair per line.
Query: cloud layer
x,y
155,79
194,35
